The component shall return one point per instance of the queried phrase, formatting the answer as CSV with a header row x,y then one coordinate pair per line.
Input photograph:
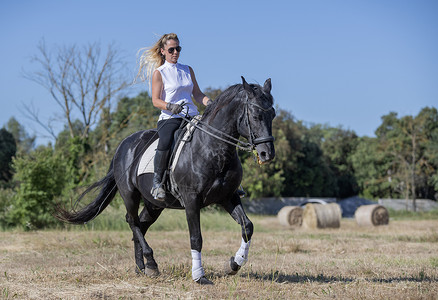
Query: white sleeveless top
x,y
177,88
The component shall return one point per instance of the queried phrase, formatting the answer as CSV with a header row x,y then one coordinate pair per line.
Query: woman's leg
x,y
166,129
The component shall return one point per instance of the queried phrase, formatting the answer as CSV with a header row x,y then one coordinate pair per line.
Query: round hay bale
x,y
290,216
322,216
371,215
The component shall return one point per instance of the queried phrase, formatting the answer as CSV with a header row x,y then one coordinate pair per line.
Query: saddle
x,y
182,136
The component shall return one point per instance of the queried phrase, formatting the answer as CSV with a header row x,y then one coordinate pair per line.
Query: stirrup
x,y
158,193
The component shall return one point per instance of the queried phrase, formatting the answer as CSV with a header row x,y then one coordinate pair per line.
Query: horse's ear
x,y
247,87
267,86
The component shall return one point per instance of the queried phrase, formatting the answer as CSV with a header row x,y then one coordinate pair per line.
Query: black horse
x,y
208,171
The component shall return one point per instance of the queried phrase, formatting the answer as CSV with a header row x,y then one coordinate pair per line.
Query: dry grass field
x,y
398,261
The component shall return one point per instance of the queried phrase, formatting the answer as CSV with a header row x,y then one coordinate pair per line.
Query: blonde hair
x,y
151,57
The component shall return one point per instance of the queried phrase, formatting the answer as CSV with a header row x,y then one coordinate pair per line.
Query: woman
x,y
173,84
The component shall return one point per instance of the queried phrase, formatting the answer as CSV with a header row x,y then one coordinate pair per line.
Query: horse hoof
x,y
231,268
139,271
204,281
148,272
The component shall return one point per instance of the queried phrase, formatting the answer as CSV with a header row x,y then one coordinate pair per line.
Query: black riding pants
x,y
166,129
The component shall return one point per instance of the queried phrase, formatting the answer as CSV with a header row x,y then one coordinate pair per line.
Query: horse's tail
x,y
108,189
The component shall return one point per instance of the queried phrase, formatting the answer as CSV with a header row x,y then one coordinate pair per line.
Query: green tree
x,y
6,201
428,118
7,151
372,169
262,181
338,145
77,154
133,114
307,172
25,143
431,153
409,142
41,177
311,177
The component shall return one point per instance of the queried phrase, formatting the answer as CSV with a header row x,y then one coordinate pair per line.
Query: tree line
x,y
312,160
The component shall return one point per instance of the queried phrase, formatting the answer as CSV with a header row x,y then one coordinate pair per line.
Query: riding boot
x,y
160,165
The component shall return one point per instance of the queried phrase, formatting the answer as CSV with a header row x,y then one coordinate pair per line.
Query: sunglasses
x,y
178,49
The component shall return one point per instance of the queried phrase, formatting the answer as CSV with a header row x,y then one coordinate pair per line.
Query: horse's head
x,y
256,122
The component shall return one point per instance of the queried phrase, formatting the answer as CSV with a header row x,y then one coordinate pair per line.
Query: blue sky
x,y
337,62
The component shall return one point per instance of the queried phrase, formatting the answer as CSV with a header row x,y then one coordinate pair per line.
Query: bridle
x,y
252,142
259,140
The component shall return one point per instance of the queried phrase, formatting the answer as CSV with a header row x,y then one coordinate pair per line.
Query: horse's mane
x,y
228,95
222,100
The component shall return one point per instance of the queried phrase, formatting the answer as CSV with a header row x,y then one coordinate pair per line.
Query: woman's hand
x,y
174,108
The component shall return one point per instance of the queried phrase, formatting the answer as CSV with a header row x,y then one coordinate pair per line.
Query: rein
x,y
249,147
238,143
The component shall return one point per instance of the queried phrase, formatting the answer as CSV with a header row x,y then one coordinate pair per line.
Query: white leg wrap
x,y
197,270
241,256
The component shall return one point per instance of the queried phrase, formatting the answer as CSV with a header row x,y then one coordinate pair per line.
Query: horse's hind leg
x,y
146,220
235,209
141,248
147,217
139,228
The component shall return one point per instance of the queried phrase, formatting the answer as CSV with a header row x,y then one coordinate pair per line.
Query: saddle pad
x,y
146,164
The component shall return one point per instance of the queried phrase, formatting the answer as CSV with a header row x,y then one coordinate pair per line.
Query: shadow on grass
x,y
404,279
297,278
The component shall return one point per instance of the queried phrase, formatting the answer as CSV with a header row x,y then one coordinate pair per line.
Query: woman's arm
x,y
157,87
197,93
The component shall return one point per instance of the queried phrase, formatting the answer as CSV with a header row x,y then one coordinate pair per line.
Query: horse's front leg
x,y
193,220
235,209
